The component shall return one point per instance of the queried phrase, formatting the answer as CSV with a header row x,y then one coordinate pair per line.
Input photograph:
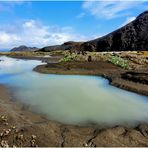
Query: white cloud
x,y
111,9
80,15
34,33
128,20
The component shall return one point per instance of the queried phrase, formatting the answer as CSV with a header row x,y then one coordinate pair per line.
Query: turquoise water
x,y
72,99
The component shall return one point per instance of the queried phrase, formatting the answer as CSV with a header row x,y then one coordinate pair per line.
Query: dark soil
x,y
136,77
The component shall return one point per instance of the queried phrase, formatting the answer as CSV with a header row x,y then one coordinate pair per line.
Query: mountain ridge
x,y
131,37
23,48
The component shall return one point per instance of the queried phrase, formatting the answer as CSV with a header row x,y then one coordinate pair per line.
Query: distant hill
x,y
133,36
66,46
23,48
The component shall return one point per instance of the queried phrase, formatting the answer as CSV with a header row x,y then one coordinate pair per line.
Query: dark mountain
x,y
133,36
24,48
66,46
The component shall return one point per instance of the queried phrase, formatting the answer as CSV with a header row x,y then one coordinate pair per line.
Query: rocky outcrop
x,y
133,36
24,48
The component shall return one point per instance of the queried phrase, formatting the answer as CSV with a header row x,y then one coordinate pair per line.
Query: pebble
x,y
90,144
16,130
6,133
4,118
33,144
1,134
6,123
20,137
4,144
85,145
33,136
13,127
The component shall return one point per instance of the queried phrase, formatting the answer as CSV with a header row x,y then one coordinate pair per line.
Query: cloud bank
x,y
34,33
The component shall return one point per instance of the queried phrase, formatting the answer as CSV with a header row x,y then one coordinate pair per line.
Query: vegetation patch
x,y
119,61
68,58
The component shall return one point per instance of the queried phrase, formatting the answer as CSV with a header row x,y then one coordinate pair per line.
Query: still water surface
x,y
72,99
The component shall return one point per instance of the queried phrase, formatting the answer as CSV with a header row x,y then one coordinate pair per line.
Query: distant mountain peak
x,y
142,14
24,48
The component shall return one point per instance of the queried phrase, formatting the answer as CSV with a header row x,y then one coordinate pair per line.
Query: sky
x,y
45,23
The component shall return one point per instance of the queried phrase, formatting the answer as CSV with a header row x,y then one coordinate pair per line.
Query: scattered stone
x,y
4,143
85,145
89,144
4,118
16,130
33,143
89,59
6,123
13,127
33,136
6,133
19,137
1,135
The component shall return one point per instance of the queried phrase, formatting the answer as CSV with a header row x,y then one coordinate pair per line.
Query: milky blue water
x,y
72,99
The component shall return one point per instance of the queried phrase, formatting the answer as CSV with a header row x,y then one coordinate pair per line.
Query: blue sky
x,y
43,23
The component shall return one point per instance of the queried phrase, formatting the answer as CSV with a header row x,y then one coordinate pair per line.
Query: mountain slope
x,y
24,48
133,36
66,46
